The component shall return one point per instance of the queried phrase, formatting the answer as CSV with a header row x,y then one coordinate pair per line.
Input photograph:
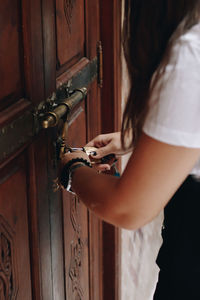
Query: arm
x,y
153,174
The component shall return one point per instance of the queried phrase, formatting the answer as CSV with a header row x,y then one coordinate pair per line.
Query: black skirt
x,y
179,256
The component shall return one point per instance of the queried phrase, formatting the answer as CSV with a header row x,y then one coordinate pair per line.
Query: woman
x,y
162,122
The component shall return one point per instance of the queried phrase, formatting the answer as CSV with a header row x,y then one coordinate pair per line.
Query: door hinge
x,y
99,64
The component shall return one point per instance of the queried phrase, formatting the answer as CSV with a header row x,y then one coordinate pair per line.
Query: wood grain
x,y
10,53
70,32
14,229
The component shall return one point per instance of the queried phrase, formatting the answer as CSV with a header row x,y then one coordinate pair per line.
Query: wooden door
x,y
50,246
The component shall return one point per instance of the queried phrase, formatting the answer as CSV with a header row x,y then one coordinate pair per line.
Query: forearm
x,y
98,193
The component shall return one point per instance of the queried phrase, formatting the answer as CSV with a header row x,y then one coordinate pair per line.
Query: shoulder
x,y
191,36
183,61
174,104
186,49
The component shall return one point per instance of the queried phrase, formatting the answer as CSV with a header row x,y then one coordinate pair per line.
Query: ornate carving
x,y
76,249
74,214
68,9
14,135
8,284
75,266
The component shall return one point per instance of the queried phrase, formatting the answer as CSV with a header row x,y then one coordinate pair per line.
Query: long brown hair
x,y
150,29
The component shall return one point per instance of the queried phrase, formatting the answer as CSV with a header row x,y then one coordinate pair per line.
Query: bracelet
x,y
71,172
64,177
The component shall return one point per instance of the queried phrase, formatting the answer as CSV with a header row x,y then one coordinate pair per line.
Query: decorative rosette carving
x,y
68,9
77,248
8,280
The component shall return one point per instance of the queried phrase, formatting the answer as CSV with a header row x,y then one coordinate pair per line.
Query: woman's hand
x,y
107,144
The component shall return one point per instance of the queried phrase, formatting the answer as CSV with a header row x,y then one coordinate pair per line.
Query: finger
x,y
90,144
94,143
101,167
101,152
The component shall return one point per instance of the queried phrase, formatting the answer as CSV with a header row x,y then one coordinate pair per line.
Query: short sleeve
x,y
174,106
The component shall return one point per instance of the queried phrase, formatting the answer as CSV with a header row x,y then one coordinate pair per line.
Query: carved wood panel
x,y
77,248
68,9
77,33
8,278
76,223
14,237
70,30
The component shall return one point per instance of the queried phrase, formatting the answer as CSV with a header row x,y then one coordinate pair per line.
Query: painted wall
x,y
139,248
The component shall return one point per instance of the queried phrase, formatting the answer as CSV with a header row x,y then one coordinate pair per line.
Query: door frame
x,y
110,31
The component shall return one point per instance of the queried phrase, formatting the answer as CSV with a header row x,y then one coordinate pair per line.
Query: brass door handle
x,y
51,118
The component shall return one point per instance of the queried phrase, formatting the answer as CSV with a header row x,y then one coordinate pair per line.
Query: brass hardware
x,y
51,118
64,138
100,64
15,135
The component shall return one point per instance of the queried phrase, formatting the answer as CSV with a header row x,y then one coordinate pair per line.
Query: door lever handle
x,y
51,118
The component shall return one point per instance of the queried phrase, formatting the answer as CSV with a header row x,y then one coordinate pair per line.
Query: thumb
x,y
103,151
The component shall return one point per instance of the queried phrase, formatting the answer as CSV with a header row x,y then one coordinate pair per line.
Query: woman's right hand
x,y
107,144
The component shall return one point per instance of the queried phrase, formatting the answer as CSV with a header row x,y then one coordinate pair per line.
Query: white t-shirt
x,y
174,113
